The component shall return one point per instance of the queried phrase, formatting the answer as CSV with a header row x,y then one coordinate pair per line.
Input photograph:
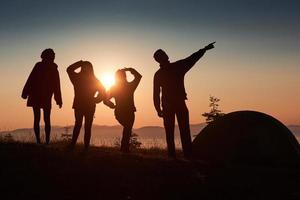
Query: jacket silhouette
x,y
86,87
123,93
169,82
40,86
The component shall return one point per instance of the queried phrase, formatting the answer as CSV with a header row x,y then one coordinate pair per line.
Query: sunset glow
x,y
107,80
254,66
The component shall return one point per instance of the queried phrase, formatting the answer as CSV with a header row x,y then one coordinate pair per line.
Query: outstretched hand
x,y
109,104
210,46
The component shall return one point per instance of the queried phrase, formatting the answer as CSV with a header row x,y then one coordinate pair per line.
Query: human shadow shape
x,y
169,96
88,91
123,93
40,86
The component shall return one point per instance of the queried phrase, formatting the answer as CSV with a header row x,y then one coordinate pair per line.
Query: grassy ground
x,y
30,171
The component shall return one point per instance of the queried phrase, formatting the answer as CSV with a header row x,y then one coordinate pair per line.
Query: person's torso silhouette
x,y
86,86
170,78
85,89
169,82
123,93
42,83
40,86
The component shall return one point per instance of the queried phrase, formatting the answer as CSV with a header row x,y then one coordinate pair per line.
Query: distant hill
x,y
109,131
106,133
158,131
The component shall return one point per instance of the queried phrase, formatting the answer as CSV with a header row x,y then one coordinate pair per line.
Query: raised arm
x,y
156,96
71,69
137,77
190,61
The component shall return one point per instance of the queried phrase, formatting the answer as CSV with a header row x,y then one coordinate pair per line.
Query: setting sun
x,y
107,80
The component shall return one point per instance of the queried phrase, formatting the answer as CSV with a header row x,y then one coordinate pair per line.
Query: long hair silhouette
x,y
88,91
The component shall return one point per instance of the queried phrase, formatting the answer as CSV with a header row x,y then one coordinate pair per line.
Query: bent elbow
x,y
69,70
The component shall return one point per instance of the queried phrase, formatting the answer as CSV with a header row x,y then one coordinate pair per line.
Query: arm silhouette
x,y
137,77
101,96
156,96
190,61
71,69
107,100
57,90
29,82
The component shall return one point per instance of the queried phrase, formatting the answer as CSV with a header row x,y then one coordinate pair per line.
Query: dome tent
x,y
246,137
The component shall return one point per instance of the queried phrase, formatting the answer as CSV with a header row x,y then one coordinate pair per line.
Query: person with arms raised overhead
x,y
123,93
40,86
169,97
88,91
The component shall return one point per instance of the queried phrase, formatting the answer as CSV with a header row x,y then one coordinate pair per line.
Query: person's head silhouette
x,y
161,57
87,69
120,76
48,55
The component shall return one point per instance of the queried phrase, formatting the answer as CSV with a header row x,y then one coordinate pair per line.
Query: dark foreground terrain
x,y
30,171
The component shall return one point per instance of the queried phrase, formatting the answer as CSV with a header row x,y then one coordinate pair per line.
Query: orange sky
x,y
255,65
252,83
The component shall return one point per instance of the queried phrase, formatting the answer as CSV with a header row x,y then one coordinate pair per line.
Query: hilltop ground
x,y
30,171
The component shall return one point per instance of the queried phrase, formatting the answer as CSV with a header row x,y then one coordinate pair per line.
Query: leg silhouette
x,y
47,112
184,128
126,119
169,123
77,126
36,123
126,139
88,121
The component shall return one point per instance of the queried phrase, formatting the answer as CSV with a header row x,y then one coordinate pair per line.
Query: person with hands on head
x,y
123,93
88,92
40,86
169,97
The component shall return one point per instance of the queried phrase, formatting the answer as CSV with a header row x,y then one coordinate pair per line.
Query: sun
x,y
107,80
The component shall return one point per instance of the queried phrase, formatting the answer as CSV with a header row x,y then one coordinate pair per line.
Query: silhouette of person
x,y
40,86
88,91
169,82
123,93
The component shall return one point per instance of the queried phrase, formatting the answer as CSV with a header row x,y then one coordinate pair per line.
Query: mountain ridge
x,y
113,131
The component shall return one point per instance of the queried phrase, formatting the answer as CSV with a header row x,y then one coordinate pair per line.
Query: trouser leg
x,y
184,127
47,112
169,123
36,123
77,126
89,117
125,139
127,131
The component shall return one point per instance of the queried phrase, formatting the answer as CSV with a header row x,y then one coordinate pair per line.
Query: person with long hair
x,y
88,91
40,86
123,93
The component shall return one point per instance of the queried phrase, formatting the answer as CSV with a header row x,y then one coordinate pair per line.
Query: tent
x,y
246,137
